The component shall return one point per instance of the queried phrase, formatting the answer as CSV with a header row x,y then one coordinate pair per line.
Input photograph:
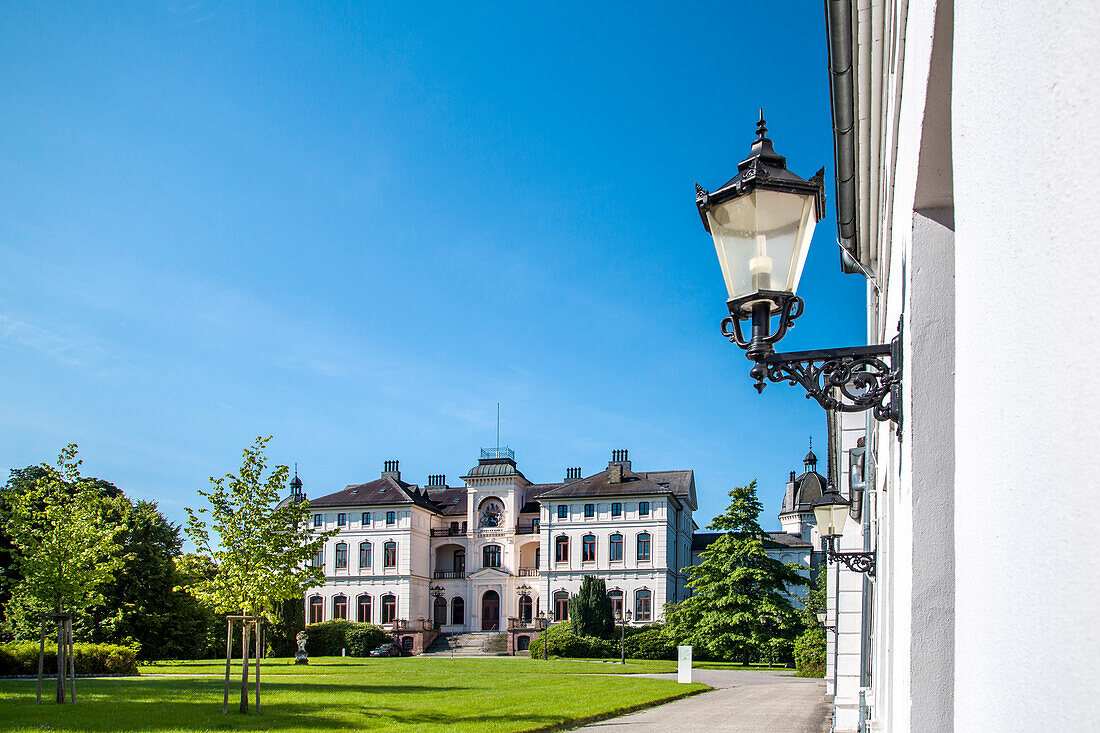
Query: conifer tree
x,y
590,610
739,608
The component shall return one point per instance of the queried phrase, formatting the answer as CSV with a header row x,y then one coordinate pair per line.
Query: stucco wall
x,y
1027,183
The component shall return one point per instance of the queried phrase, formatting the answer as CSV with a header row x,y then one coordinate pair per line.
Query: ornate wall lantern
x,y
762,221
831,511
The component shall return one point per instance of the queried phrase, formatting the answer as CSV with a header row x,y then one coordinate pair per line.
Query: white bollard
x,y
683,669
344,652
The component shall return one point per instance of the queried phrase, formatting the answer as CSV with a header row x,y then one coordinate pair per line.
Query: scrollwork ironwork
x,y
858,562
856,379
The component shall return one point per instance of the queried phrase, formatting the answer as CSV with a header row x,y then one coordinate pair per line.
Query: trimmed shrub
x,y
650,643
21,658
326,639
562,642
809,652
362,638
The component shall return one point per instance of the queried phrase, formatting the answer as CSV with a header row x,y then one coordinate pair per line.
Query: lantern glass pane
x,y
762,239
830,519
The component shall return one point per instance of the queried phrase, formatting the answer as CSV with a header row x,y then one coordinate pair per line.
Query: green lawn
x,y
333,694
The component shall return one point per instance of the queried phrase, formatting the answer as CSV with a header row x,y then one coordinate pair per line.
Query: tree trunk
x,y
72,663
244,671
257,668
62,647
228,657
41,658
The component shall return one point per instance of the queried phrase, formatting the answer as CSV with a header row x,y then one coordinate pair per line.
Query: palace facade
x,y
499,550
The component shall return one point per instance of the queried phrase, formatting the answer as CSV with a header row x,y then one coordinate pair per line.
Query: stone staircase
x,y
479,644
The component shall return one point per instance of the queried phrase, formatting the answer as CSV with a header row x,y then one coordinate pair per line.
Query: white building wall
x,y
1027,181
978,176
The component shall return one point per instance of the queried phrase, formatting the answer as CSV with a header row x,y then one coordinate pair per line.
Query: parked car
x,y
388,649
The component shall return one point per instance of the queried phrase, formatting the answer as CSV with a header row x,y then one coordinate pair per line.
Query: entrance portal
x,y
490,611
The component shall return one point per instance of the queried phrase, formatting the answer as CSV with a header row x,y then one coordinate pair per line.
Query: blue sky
x,y
360,226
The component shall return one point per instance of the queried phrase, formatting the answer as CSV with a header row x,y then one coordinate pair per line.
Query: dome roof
x,y
295,483
494,468
807,489
810,457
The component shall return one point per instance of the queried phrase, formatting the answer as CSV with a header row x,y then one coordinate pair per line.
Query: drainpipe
x,y
838,29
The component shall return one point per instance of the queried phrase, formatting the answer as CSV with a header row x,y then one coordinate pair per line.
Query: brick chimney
x,y
618,466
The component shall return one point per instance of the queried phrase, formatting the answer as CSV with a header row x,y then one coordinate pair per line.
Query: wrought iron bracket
x,y
857,562
854,379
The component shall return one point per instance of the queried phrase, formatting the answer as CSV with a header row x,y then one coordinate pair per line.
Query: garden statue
x,y
300,656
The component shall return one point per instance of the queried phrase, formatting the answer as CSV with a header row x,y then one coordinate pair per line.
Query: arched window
x,y
458,611
439,611
616,554
389,608
341,556
588,548
643,605
316,609
616,597
561,549
389,554
525,608
643,546
490,556
364,605
364,556
561,606
340,607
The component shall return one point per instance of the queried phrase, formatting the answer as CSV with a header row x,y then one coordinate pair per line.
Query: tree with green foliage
x,y
739,608
810,646
264,545
590,609
65,552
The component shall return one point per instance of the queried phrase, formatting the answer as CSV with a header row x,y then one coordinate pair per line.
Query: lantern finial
x,y
761,127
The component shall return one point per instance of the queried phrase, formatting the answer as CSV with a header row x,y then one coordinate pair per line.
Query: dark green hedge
x,y
642,642
651,643
809,653
328,638
21,657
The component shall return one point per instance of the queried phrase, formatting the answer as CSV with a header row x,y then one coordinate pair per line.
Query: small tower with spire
x,y
296,492
797,515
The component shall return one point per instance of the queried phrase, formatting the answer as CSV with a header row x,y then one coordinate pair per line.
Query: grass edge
x,y
618,712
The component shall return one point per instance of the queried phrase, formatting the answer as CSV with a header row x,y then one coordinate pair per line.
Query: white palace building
x,y
470,558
